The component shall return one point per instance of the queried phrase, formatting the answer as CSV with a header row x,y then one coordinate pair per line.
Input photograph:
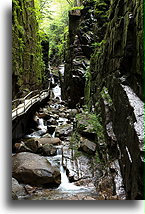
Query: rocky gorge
x,y
112,82
61,161
86,141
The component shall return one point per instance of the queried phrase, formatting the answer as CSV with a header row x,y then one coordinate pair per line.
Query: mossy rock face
x,y
27,63
89,126
117,65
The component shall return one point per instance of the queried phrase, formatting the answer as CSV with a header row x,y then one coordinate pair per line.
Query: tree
x,y
54,25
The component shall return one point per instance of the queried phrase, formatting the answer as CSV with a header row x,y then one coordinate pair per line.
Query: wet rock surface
x,y
63,131
62,163
17,189
33,169
87,146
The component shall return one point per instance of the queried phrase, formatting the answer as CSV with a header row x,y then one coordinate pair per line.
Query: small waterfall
x,y
52,80
53,135
37,134
65,184
61,69
57,92
41,124
55,86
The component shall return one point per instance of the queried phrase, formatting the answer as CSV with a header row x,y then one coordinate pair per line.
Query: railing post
x,y
39,96
24,106
16,112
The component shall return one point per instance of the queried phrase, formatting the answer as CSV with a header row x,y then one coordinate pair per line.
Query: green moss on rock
x,y
27,63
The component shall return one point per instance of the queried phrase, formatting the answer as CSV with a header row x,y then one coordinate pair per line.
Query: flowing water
x,y
42,130
78,173
65,161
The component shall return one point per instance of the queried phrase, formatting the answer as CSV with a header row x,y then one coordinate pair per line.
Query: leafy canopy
x,y
53,23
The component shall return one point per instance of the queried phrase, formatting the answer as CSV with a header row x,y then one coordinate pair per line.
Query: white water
x,y
37,134
57,92
62,121
41,125
65,184
61,69
53,135
52,80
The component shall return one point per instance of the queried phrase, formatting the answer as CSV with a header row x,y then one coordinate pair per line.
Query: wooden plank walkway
x,y
23,104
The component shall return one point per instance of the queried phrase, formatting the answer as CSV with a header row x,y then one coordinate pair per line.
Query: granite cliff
x,y
104,70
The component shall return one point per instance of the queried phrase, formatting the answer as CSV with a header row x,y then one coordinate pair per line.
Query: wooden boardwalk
x,y
21,106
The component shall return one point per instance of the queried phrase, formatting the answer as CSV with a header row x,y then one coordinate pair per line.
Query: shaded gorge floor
x,y
67,142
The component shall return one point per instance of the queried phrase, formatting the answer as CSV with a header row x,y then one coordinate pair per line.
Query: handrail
x,y
24,103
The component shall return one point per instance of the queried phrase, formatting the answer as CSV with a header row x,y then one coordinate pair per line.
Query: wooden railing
x,y
20,106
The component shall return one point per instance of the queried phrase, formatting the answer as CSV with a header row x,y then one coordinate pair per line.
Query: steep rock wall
x,y
74,71
78,53
86,30
117,88
27,63
109,34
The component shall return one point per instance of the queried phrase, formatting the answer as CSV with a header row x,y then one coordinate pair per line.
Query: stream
x,y
79,171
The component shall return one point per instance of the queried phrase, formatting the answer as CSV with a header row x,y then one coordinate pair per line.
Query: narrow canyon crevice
x,y
86,141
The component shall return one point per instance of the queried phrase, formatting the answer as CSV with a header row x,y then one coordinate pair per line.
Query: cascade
x,y
57,92
65,184
79,182
41,126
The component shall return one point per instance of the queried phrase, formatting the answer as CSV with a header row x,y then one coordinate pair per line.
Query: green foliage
x,y
54,25
98,44
93,121
27,63
77,8
74,144
87,74
106,96
97,157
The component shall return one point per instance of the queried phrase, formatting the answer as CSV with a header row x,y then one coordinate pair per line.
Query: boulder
x,y
21,147
72,113
47,135
63,131
47,150
87,146
85,127
62,114
17,190
42,146
82,124
28,145
35,170
43,115
31,144
54,141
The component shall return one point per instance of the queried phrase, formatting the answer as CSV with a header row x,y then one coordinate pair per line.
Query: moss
x,y
93,122
97,157
74,144
105,95
27,61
